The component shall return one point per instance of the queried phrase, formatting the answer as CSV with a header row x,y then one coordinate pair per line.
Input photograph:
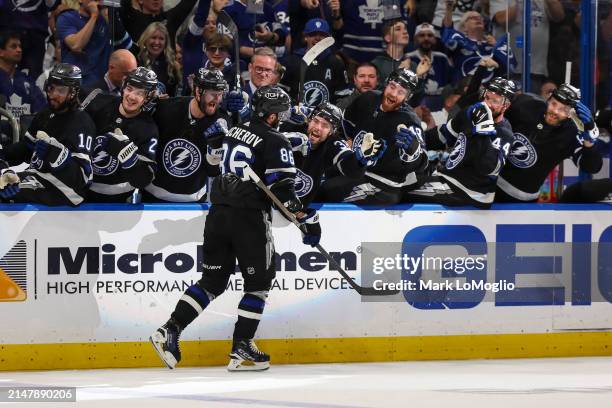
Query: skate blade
x,y
245,365
165,356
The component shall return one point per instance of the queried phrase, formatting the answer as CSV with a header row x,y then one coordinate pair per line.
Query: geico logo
x,y
95,260
580,264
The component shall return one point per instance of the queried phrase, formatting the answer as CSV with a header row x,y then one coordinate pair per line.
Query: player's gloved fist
x,y
482,119
590,136
299,113
50,151
120,146
311,229
299,142
236,101
369,150
405,136
9,184
215,133
584,114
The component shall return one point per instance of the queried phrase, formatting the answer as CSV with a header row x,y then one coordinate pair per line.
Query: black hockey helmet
x,y
65,75
269,99
210,79
330,113
566,94
503,87
405,78
142,78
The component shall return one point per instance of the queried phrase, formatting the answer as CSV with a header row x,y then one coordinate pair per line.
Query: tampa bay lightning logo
x,y
102,163
303,183
25,6
522,154
315,93
458,153
470,65
181,158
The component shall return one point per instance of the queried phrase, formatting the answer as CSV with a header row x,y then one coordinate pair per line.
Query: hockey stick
x,y
307,59
363,291
224,19
13,122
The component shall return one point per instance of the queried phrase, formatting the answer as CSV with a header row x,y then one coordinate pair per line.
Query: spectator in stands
x,y
155,52
22,94
255,30
218,47
361,22
326,78
364,80
543,12
300,11
469,45
120,63
458,9
396,38
547,88
30,19
202,26
263,71
137,15
439,75
86,39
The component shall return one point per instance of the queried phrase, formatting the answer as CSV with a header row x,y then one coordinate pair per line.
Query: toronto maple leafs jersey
x,y
397,169
467,53
363,22
325,81
183,164
111,183
475,160
73,129
538,148
23,96
438,75
268,154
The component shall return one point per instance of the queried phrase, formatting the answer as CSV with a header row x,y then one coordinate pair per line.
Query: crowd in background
x,y
442,41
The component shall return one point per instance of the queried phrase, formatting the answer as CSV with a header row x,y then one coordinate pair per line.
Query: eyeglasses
x,y
262,70
214,50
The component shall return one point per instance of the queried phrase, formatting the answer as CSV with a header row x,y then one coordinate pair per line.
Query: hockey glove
x,y
214,133
584,114
299,114
120,146
590,136
405,136
369,150
311,229
9,184
482,119
50,151
237,101
299,142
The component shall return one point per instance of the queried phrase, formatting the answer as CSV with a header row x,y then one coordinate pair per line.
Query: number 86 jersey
x,y
268,153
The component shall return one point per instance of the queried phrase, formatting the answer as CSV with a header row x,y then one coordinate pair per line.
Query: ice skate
x,y
245,356
166,343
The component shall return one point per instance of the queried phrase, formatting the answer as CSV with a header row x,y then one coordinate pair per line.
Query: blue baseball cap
x,y
316,25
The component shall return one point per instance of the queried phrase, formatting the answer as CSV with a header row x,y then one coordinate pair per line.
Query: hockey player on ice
x,y
123,155
545,135
238,227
